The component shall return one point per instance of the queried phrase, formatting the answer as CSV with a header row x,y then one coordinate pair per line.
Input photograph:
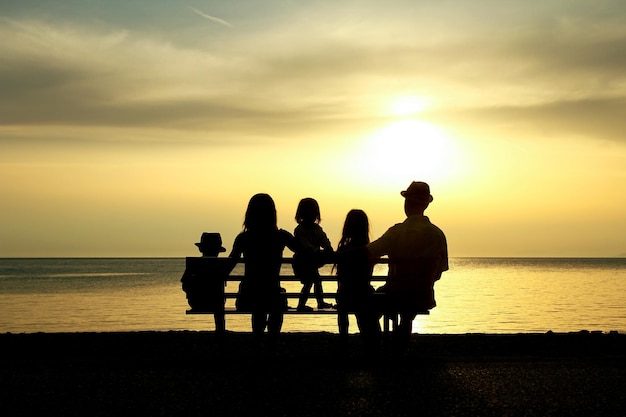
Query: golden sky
x,y
129,128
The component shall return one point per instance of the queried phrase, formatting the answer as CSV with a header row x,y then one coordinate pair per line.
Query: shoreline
x,y
201,372
163,347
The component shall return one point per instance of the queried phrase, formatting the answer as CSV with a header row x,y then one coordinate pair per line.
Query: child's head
x,y
356,228
308,211
210,244
261,214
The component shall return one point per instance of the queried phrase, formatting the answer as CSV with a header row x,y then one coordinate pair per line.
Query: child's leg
x,y
259,322
304,294
319,294
275,323
220,322
319,291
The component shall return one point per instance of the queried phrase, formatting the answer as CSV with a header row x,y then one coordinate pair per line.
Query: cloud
x,y
211,18
318,75
76,76
594,118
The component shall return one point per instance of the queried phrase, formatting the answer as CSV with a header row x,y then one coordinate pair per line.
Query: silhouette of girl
x,y
354,271
262,243
312,245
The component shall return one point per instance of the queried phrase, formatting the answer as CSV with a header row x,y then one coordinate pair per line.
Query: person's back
x,y
418,254
200,283
263,252
353,275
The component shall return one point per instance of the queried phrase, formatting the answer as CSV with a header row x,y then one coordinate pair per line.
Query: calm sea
x,y
477,295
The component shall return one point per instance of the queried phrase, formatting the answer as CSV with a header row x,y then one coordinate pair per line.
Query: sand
x,y
204,374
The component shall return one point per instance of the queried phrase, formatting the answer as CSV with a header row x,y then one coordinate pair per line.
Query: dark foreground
x,y
201,374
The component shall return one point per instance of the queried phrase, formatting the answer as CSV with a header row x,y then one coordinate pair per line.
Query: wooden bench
x,y
207,267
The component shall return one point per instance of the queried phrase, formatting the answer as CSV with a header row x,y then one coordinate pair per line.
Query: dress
x,y
259,290
418,254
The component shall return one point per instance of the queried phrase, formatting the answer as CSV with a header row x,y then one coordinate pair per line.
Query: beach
x,y
195,373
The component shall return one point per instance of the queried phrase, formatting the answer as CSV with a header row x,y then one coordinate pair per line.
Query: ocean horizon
x,y
477,295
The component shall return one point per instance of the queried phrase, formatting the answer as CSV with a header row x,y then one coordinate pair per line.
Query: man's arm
x,y
380,246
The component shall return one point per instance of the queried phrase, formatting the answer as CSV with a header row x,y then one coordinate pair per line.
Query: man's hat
x,y
211,241
417,191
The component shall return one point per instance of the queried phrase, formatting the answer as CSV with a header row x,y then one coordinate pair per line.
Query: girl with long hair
x,y
261,243
354,271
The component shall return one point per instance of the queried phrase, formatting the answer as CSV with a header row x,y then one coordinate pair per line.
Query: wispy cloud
x,y
212,18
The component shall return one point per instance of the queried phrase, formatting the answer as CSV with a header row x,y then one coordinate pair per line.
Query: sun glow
x,y
406,106
408,149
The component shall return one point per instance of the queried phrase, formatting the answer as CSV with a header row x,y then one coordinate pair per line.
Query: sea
x,y
477,295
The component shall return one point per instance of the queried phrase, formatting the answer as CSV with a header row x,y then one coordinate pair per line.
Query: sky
x,y
127,128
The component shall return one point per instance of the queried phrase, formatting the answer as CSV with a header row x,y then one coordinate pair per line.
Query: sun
x,y
408,149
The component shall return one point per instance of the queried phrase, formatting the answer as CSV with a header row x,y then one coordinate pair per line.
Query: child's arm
x,y
326,245
290,241
235,254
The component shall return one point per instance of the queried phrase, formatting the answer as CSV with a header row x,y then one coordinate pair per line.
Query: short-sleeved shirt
x,y
418,254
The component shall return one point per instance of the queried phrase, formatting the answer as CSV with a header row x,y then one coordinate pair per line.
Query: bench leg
x,y
220,322
390,318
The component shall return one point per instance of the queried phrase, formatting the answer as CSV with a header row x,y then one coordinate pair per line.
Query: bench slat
x,y
288,311
293,278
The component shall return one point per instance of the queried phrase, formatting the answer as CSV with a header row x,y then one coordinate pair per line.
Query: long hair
x,y
260,214
308,211
356,229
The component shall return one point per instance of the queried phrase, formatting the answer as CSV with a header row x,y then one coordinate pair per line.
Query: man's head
x,y
417,197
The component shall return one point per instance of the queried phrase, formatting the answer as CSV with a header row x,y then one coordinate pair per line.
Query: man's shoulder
x,y
397,226
423,220
436,228
393,230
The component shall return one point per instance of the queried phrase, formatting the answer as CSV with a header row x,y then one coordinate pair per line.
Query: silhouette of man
x,y
418,254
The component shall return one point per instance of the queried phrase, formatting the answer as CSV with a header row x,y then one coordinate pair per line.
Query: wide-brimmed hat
x,y
418,190
211,241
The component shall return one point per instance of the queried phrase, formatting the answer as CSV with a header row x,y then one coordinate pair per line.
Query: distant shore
x,y
201,373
